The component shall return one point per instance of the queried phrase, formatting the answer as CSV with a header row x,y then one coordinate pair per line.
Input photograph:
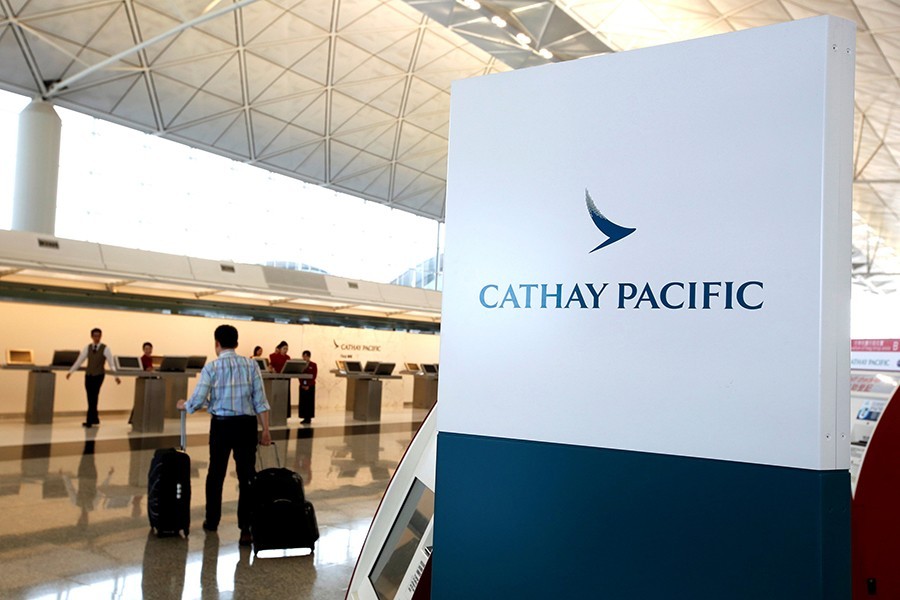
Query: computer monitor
x,y
341,365
173,364
196,362
354,366
127,363
384,368
430,369
19,357
414,367
262,363
294,367
64,358
371,365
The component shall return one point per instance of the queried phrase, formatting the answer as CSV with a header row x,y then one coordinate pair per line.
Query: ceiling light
x,y
545,53
523,39
498,21
471,4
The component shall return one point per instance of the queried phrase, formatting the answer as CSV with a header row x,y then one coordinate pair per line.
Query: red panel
x,y
876,512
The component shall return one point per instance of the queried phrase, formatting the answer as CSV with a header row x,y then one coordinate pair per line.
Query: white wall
x,y
45,328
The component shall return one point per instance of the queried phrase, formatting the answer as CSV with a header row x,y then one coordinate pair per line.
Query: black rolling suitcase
x,y
282,517
169,489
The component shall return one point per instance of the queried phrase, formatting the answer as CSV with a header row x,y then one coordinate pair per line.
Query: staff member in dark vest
x,y
307,407
231,389
98,356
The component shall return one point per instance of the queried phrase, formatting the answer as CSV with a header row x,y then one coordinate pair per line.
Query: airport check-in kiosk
x,y
41,391
364,390
395,560
177,370
39,397
425,384
149,401
278,390
155,392
875,456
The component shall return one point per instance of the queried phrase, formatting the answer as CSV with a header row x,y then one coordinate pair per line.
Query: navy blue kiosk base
x,y
519,520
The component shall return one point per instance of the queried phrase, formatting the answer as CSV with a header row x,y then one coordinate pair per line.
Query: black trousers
x,y
92,385
307,407
226,436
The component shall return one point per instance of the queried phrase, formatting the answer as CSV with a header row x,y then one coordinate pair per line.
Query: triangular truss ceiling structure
x,y
354,94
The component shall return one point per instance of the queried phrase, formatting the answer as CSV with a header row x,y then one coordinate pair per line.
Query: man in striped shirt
x,y
231,390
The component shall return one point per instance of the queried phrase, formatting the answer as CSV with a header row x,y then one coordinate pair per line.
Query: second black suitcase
x,y
282,517
169,489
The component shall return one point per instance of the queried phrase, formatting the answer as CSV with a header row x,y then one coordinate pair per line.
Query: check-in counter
x,y
155,396
176,385
41,392
364,394
425,388
278,393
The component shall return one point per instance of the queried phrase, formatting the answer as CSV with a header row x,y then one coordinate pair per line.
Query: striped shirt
x,y
229,386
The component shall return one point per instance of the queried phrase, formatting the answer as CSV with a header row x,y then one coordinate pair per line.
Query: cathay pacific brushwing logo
x,y
611,230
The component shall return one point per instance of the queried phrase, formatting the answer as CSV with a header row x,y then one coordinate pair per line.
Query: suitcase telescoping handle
x,y
259,459
183,429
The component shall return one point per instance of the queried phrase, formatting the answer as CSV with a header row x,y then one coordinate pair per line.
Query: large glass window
x,y
121,187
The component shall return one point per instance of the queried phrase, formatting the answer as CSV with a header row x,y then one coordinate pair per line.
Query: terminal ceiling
x,y
354,94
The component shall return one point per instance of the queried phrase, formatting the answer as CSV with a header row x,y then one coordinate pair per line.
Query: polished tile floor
x,y
73,518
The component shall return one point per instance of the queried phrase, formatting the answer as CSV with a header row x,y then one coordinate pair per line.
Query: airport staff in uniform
x,y
231,389
98,356
279,357
307,408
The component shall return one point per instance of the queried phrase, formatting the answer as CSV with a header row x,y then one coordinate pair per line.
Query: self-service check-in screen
x,y
404,539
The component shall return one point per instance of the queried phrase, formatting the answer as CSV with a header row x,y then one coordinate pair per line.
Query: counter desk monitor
x,y
173,364
64,358
19,357
384,368
127,363
413,367
262,363
341,365
196,362
371,365
430,369
294,367
354,366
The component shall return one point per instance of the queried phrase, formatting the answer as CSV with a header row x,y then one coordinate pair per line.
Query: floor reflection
x,y
75,522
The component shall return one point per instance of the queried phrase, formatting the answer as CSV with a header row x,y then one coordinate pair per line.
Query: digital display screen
x,y
65,358
400,547
196,362
384,369
430,368
128,362
19,357
294,367
354,366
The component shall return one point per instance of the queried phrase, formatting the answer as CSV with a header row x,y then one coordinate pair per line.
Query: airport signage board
x,y
875,355
647,251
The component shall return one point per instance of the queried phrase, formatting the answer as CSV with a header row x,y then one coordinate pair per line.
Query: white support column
x,y
37,168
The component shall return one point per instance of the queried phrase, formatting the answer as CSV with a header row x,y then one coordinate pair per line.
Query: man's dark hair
x,y
305,352
227,336
147,344
96,330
